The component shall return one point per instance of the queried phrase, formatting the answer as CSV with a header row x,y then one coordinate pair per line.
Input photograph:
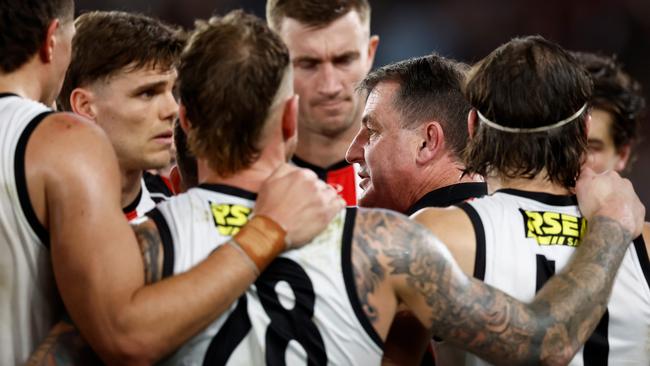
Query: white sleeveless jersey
x,y
302,310
28,299
523,238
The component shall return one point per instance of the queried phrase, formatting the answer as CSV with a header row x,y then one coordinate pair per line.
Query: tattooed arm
x,y
151,248
417,269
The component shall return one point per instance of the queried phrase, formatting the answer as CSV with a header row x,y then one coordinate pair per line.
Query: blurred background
x,y
468,30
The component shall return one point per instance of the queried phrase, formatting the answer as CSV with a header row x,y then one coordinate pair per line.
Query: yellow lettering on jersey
x,y
229,218
570,227
553,228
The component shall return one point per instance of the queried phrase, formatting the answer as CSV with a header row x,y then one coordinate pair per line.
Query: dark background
x,y
468,30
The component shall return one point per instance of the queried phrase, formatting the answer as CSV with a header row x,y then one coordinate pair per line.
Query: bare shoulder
x,y
68,132
65,157
454,228
67,148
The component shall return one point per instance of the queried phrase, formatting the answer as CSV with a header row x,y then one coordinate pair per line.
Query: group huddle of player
x,y
430,212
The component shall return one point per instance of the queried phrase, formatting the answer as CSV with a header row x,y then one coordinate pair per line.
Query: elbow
x,y
558,352
561,358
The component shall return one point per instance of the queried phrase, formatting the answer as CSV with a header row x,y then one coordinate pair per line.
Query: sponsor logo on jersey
x,y
229,218
554,228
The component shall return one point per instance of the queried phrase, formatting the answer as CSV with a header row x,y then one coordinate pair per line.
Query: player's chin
x,y
158,160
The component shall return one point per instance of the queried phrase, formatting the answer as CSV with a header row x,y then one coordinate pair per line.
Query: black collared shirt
x,y
449,195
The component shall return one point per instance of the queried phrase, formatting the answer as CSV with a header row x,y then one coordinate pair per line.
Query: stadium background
x,y
467,30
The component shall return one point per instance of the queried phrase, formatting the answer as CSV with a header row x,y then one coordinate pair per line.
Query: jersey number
x,y
597,347
286,325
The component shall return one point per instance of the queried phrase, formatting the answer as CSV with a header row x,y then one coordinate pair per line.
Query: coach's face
x,y
137,109
328,64
385,151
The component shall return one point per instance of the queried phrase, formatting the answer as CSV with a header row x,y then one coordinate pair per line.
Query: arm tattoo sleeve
x,y
368,273
479,318
151,249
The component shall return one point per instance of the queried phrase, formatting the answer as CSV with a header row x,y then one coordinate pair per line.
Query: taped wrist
x,y
262,239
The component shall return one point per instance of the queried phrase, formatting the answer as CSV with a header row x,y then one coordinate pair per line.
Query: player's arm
x,y
97,261
479,318
65,346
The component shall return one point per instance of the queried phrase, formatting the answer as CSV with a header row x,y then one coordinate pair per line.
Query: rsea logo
x,y
229,218
554,228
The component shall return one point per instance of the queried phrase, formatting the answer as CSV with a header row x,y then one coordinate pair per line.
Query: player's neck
x,y
131,185
324,151
539,183
21,82
249,179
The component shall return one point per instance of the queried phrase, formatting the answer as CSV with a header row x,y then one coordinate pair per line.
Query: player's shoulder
x,y
69,153
68,132
440,218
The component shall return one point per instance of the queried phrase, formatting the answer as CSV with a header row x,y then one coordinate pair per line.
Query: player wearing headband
x,y
528,134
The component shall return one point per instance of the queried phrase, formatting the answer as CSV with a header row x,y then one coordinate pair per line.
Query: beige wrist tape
x,y
262,239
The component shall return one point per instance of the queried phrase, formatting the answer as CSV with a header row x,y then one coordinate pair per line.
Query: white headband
x,y
530,130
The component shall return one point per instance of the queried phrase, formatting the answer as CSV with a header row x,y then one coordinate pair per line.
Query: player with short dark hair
x,y
331,50
122,76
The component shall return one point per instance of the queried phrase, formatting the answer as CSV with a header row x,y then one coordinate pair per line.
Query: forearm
x,y
150,321
552,328
161,317
574,300
469,314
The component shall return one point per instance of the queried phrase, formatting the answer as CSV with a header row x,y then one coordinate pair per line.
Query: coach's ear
x,y
82,103
290,118
182,117
431,143
472,121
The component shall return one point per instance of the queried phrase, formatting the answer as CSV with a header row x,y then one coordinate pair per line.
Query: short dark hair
x,y
315,13
528,83
108,42
430,88
23,25
617,93
229,76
